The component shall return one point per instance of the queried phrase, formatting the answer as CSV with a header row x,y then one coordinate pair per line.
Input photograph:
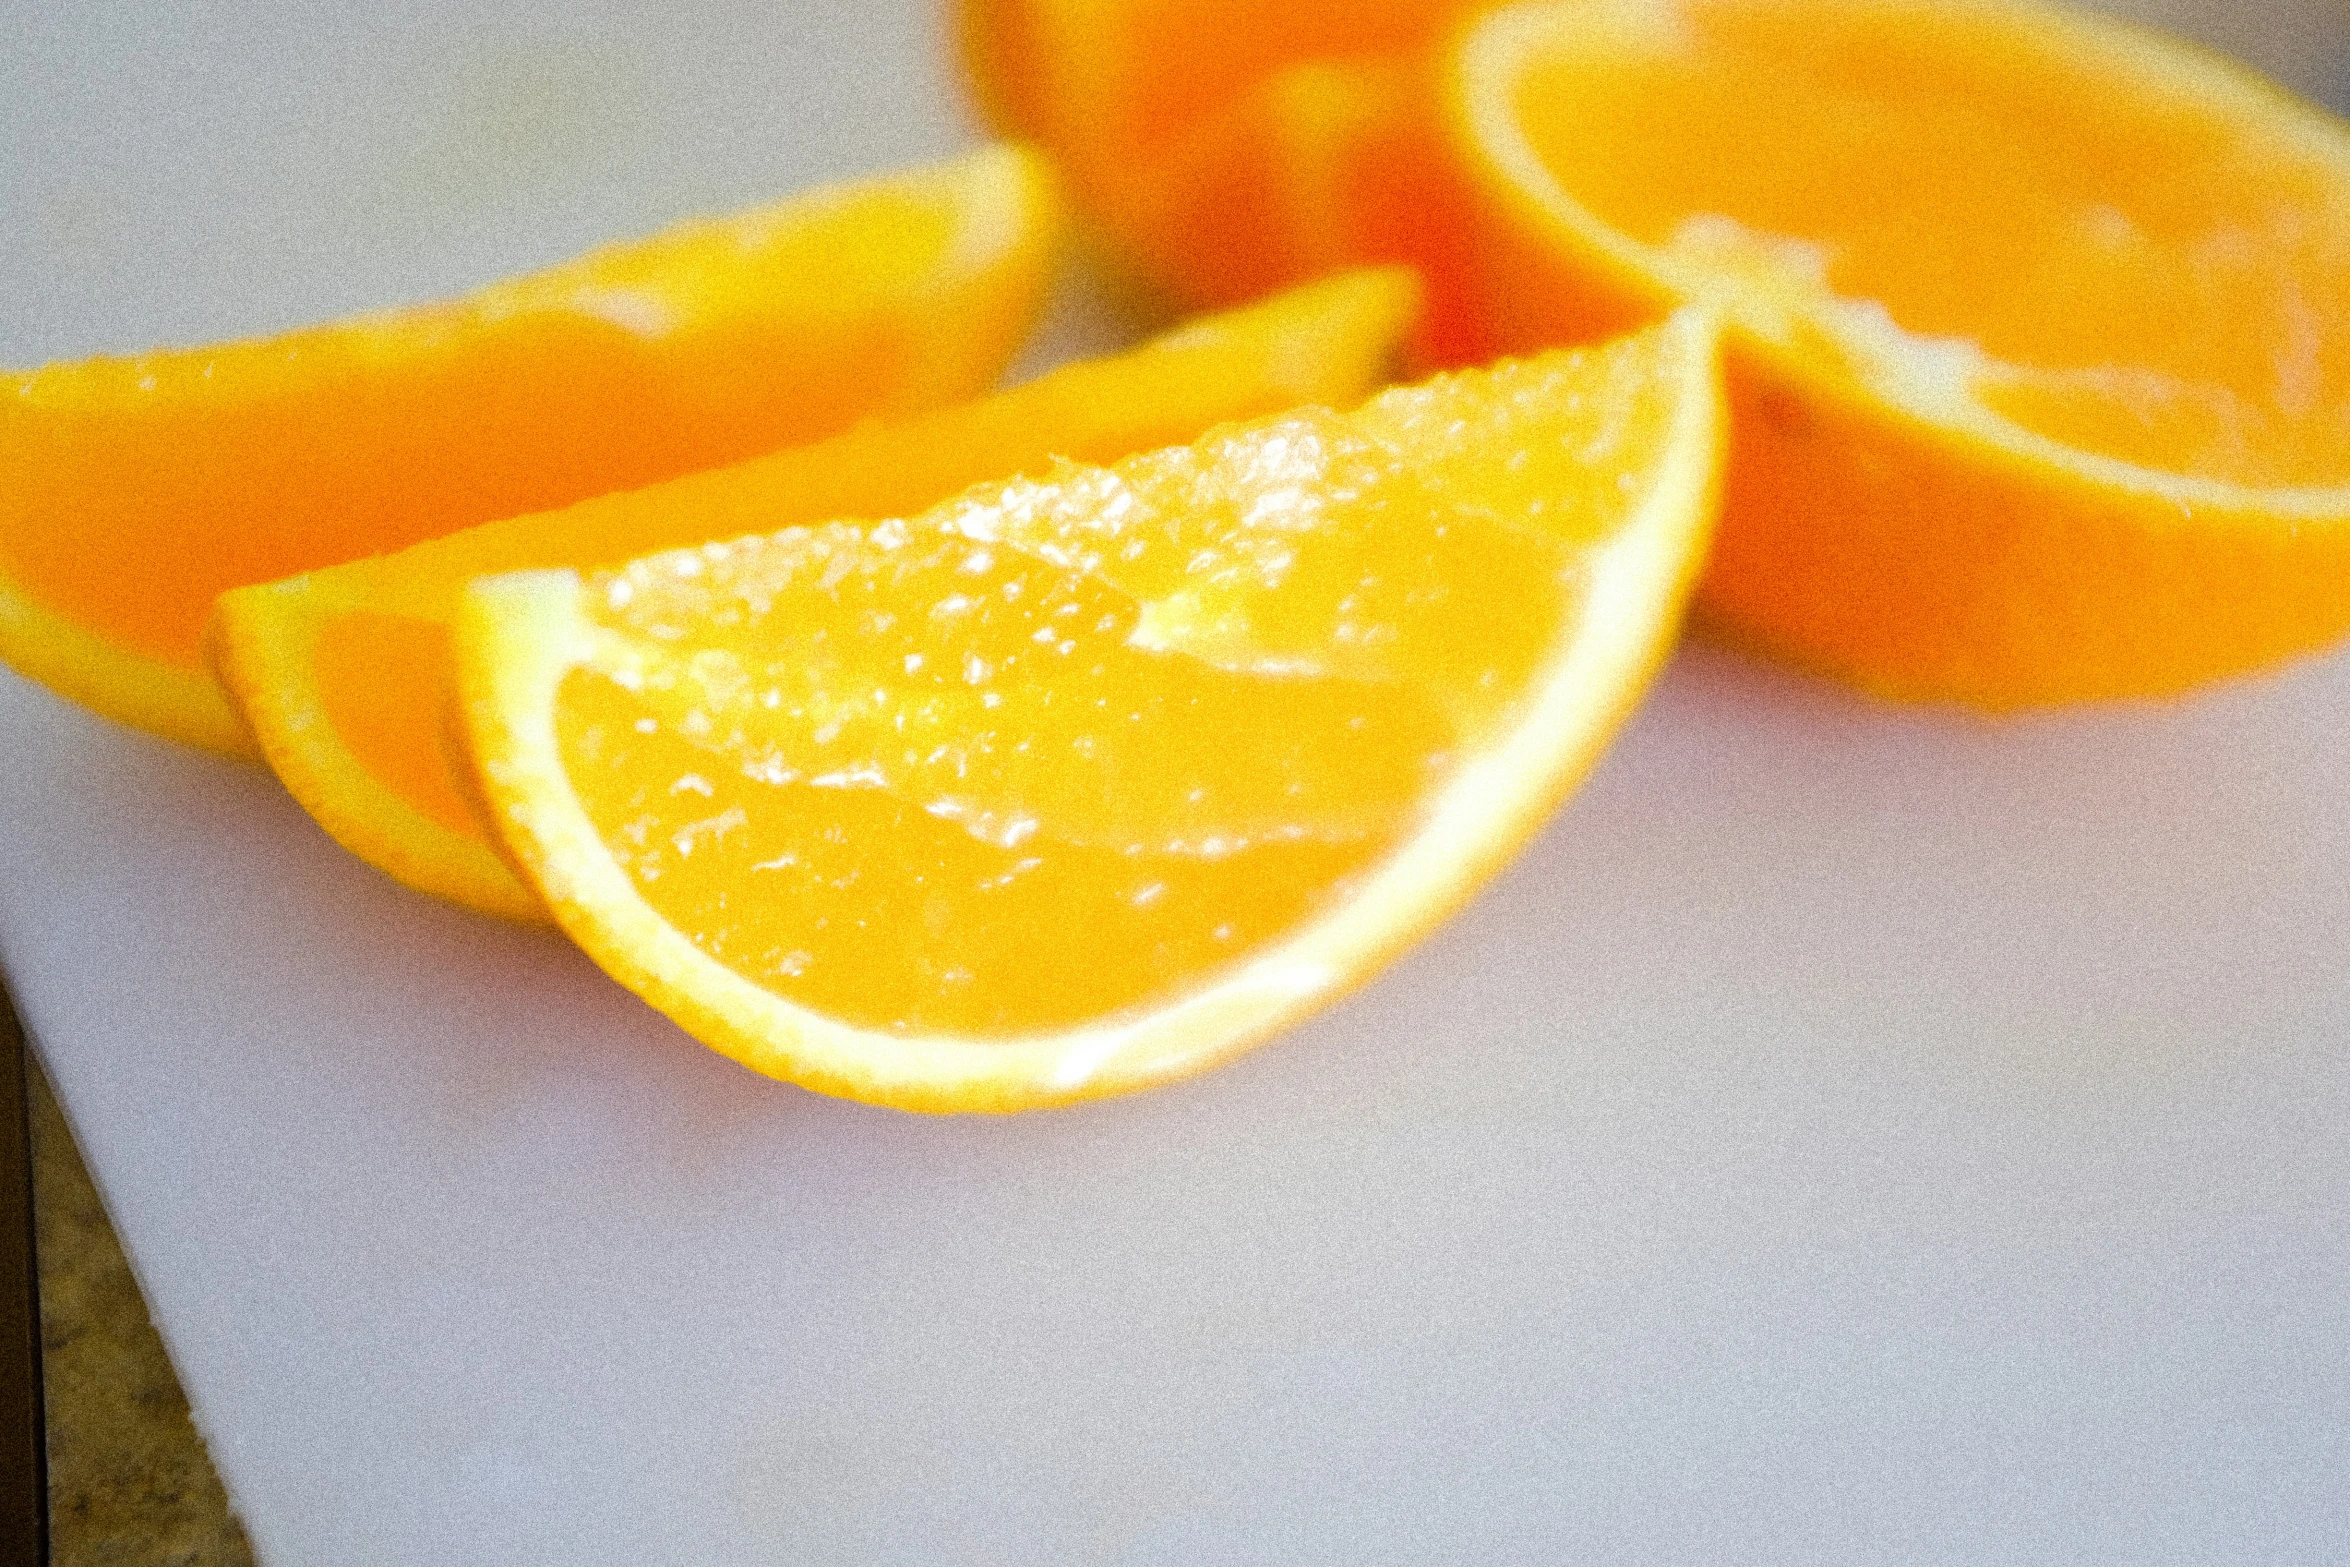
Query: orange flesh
x,y
2152,282
1331,339
381,721
1061,747
837,897
343,441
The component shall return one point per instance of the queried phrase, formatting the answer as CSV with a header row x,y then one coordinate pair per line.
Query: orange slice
x,y
2040,324
1111,85
343,673
133,491
1079,784
1225,151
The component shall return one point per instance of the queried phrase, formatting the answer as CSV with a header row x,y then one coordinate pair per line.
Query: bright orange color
x,y
2040,325
1078,784
1226,149
343,673
133,491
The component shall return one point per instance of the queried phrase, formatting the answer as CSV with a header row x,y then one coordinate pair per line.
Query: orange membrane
x,y
1062,746
2126,272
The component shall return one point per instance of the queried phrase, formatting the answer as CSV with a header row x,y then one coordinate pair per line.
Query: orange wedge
x,y
1228,150
2039,344
133,491
343,673
1075,785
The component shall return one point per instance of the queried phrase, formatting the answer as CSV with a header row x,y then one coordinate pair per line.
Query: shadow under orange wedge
x,y
344,673
1230,149
2039,324
1082,783
132,491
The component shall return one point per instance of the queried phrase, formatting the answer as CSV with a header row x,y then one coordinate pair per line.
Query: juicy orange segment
x,y
1076,784
133,491
1227,150
343,673
2040,325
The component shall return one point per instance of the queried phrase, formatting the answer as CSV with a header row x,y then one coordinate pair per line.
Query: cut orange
x,y
1078,784
1225,150
133,491
343,673
2039,344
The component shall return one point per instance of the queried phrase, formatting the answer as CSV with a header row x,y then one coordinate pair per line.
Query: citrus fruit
x,y
1080,783
2038,325
1225,150
134,490
343,673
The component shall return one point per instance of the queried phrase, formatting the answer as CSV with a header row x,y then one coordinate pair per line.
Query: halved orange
x,y
1078,784
1226,150
343,674
133,491
2039,343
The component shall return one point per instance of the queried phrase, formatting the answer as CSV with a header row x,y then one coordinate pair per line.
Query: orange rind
x,y
1222,151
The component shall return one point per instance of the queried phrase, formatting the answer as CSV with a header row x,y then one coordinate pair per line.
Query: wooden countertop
x,y
130,1484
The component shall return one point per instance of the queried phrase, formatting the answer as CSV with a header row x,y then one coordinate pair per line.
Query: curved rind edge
x,y
518,636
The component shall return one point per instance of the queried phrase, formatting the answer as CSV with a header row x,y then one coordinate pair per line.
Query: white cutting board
x,y
1850,1135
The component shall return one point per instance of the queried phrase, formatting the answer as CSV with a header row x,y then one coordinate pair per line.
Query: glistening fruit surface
x,y
1076,784
2040,325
